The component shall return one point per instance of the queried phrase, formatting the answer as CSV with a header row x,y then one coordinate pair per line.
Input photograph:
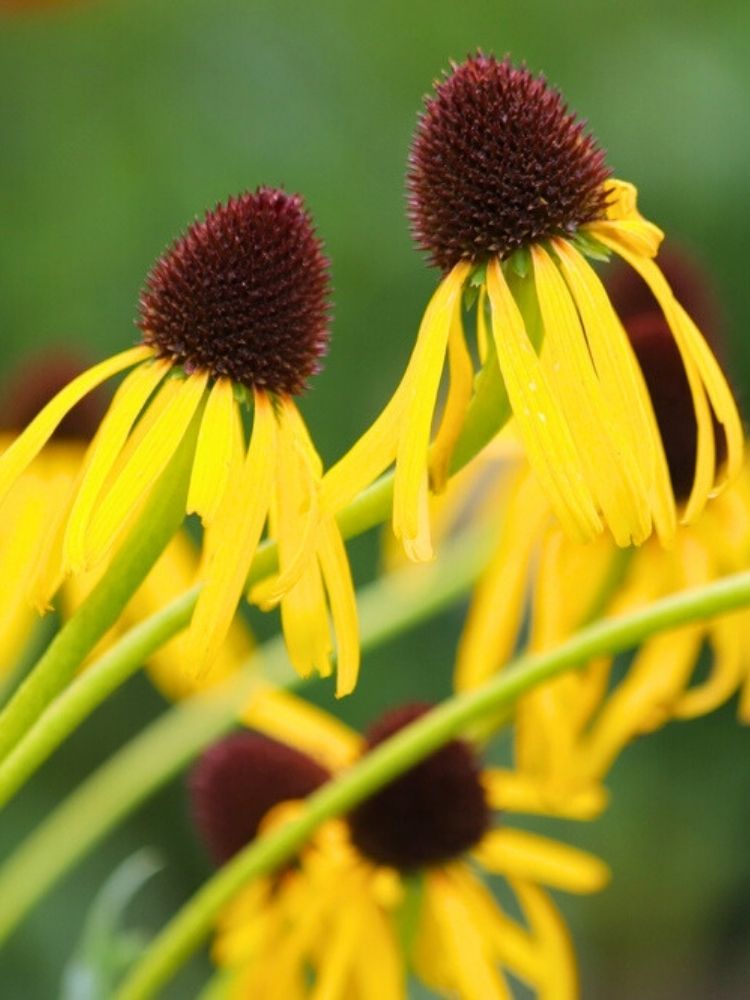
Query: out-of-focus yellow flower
x,y
394,885
235,319
546,586
511,198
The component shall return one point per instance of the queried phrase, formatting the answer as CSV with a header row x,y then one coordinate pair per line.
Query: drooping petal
x,y
612,470
549,445
337,576
496,612
556,956
410,513
218,452
237,533
522,855
461,375
514,946
727,640
622,383
474,974
123,412
704,377
19,455
146,463
297,500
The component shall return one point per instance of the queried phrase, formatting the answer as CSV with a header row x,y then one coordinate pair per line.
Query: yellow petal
x,y
727,645
128,402
238,530
461,371
28,444
298,482
218,452
611,466
303,725
643,701
522,855
372,454
541,425
334,565
379,966
556,956
146,463
473,973
515,948
410,513
339,955
622,383
489,637
514,791
704,376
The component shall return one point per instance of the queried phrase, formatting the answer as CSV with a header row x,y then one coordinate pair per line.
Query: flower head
x,y
235,319
244,293
511,198
344,895
497,163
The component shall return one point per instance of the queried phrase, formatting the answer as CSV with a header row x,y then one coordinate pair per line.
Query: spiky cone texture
x,y
509,196
331,919
235,318
571,730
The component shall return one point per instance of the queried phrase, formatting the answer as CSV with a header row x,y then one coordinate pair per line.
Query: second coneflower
x,y
234,318
511,198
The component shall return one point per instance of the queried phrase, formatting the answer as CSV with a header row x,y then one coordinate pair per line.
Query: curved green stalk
x,y
387,607
88,690
160,519
194,922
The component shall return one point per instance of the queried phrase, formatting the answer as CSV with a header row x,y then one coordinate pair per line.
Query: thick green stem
x,y
387,607
194,922
161,517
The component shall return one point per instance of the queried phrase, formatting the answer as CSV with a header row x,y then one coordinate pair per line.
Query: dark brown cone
x,y
432,813
498,162
244,293
238,780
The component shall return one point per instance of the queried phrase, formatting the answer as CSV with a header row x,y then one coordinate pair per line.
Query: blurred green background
x,y
121,121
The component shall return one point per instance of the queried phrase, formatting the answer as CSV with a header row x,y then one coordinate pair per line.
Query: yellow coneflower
x,y
332,919
234,318
570,731
511,198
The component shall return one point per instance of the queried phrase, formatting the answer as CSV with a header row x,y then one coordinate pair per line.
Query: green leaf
x,y
591,248
478,276
520,262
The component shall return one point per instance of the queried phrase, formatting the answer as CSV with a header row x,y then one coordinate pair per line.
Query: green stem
x,y
387,607
161,517
194,922
88,690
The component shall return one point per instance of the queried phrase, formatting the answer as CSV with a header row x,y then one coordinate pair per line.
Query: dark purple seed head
x,y
33,384
238,780
244,293
498,162
432,813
